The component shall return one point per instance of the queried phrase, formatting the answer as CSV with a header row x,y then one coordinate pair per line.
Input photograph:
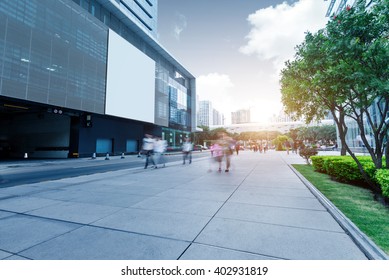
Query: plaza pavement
x,y
260,210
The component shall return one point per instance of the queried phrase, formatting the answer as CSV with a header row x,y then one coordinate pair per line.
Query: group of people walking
x,y
153,149
222,149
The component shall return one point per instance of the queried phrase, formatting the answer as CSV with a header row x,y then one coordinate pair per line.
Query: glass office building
x,y
336,6
79,77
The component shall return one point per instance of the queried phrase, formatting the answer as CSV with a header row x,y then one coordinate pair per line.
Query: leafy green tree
x,y
294,134
361,49
327,134
279,141
344,69
307,85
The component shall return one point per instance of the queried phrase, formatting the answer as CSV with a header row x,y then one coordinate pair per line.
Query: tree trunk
x,y
372,185
342,130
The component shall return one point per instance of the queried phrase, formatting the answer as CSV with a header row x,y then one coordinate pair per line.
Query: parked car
x,y
199,148
327,148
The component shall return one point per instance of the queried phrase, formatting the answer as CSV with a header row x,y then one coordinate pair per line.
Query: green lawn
x,y
357,203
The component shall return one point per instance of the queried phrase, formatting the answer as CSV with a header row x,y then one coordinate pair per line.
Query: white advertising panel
x,y
130,81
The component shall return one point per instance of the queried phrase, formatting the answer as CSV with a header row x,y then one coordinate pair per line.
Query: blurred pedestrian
x,y
216,156
227,146
187,148
148,148
295,146
287,146
265,148
159,149
237,148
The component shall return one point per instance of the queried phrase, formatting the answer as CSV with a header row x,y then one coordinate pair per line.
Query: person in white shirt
x,y
187,148
148,148
159,148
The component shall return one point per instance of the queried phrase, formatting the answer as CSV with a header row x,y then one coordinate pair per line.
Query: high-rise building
x,y
240,116
336,6
282,117
205,113
144,13
218,118
79,77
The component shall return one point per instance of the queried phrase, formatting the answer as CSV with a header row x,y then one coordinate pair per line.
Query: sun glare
x,y
264,113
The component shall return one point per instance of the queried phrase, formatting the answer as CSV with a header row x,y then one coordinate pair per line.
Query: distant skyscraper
x,y
282,117
218,118
207,115
240,116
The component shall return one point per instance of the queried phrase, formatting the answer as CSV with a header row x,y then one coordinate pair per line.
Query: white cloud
x,y
226,98
275,31
217,88
179,25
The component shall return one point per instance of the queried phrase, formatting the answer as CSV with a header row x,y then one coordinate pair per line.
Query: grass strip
x,y
357,203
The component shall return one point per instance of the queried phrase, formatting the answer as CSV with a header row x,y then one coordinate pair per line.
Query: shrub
x,y
382,178
307,152
343,169
318,163
370,169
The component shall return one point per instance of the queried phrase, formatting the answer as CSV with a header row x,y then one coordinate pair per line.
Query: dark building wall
x,y
119,131
52,55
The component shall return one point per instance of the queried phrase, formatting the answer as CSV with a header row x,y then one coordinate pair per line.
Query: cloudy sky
x,y
236,48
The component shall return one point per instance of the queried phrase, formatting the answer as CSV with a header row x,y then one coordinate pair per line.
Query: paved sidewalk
x,y
259,210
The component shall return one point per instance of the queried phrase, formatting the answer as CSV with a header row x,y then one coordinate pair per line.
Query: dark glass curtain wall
x,y
51,53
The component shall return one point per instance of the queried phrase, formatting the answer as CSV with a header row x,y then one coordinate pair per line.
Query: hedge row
x,y
382,178
345,169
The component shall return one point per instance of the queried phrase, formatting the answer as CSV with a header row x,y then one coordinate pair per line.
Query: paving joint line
x,y
217,211
363,242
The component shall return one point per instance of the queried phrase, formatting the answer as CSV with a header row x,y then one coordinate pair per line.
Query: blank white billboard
x,y
130,81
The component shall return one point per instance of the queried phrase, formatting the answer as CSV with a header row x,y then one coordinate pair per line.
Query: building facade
x,y
241,116
218,118
205,113
79,77
336,6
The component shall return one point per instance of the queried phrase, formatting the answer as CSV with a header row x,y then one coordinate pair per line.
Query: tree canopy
x,y
344,69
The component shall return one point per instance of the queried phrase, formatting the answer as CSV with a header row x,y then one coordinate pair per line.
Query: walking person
x,y
227,145
187,148
216,156
287,146
148,148
237,148
159,148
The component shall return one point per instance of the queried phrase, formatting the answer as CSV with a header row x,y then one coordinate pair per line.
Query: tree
x,y
344,69
307,89
361,48
279,141
327,134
